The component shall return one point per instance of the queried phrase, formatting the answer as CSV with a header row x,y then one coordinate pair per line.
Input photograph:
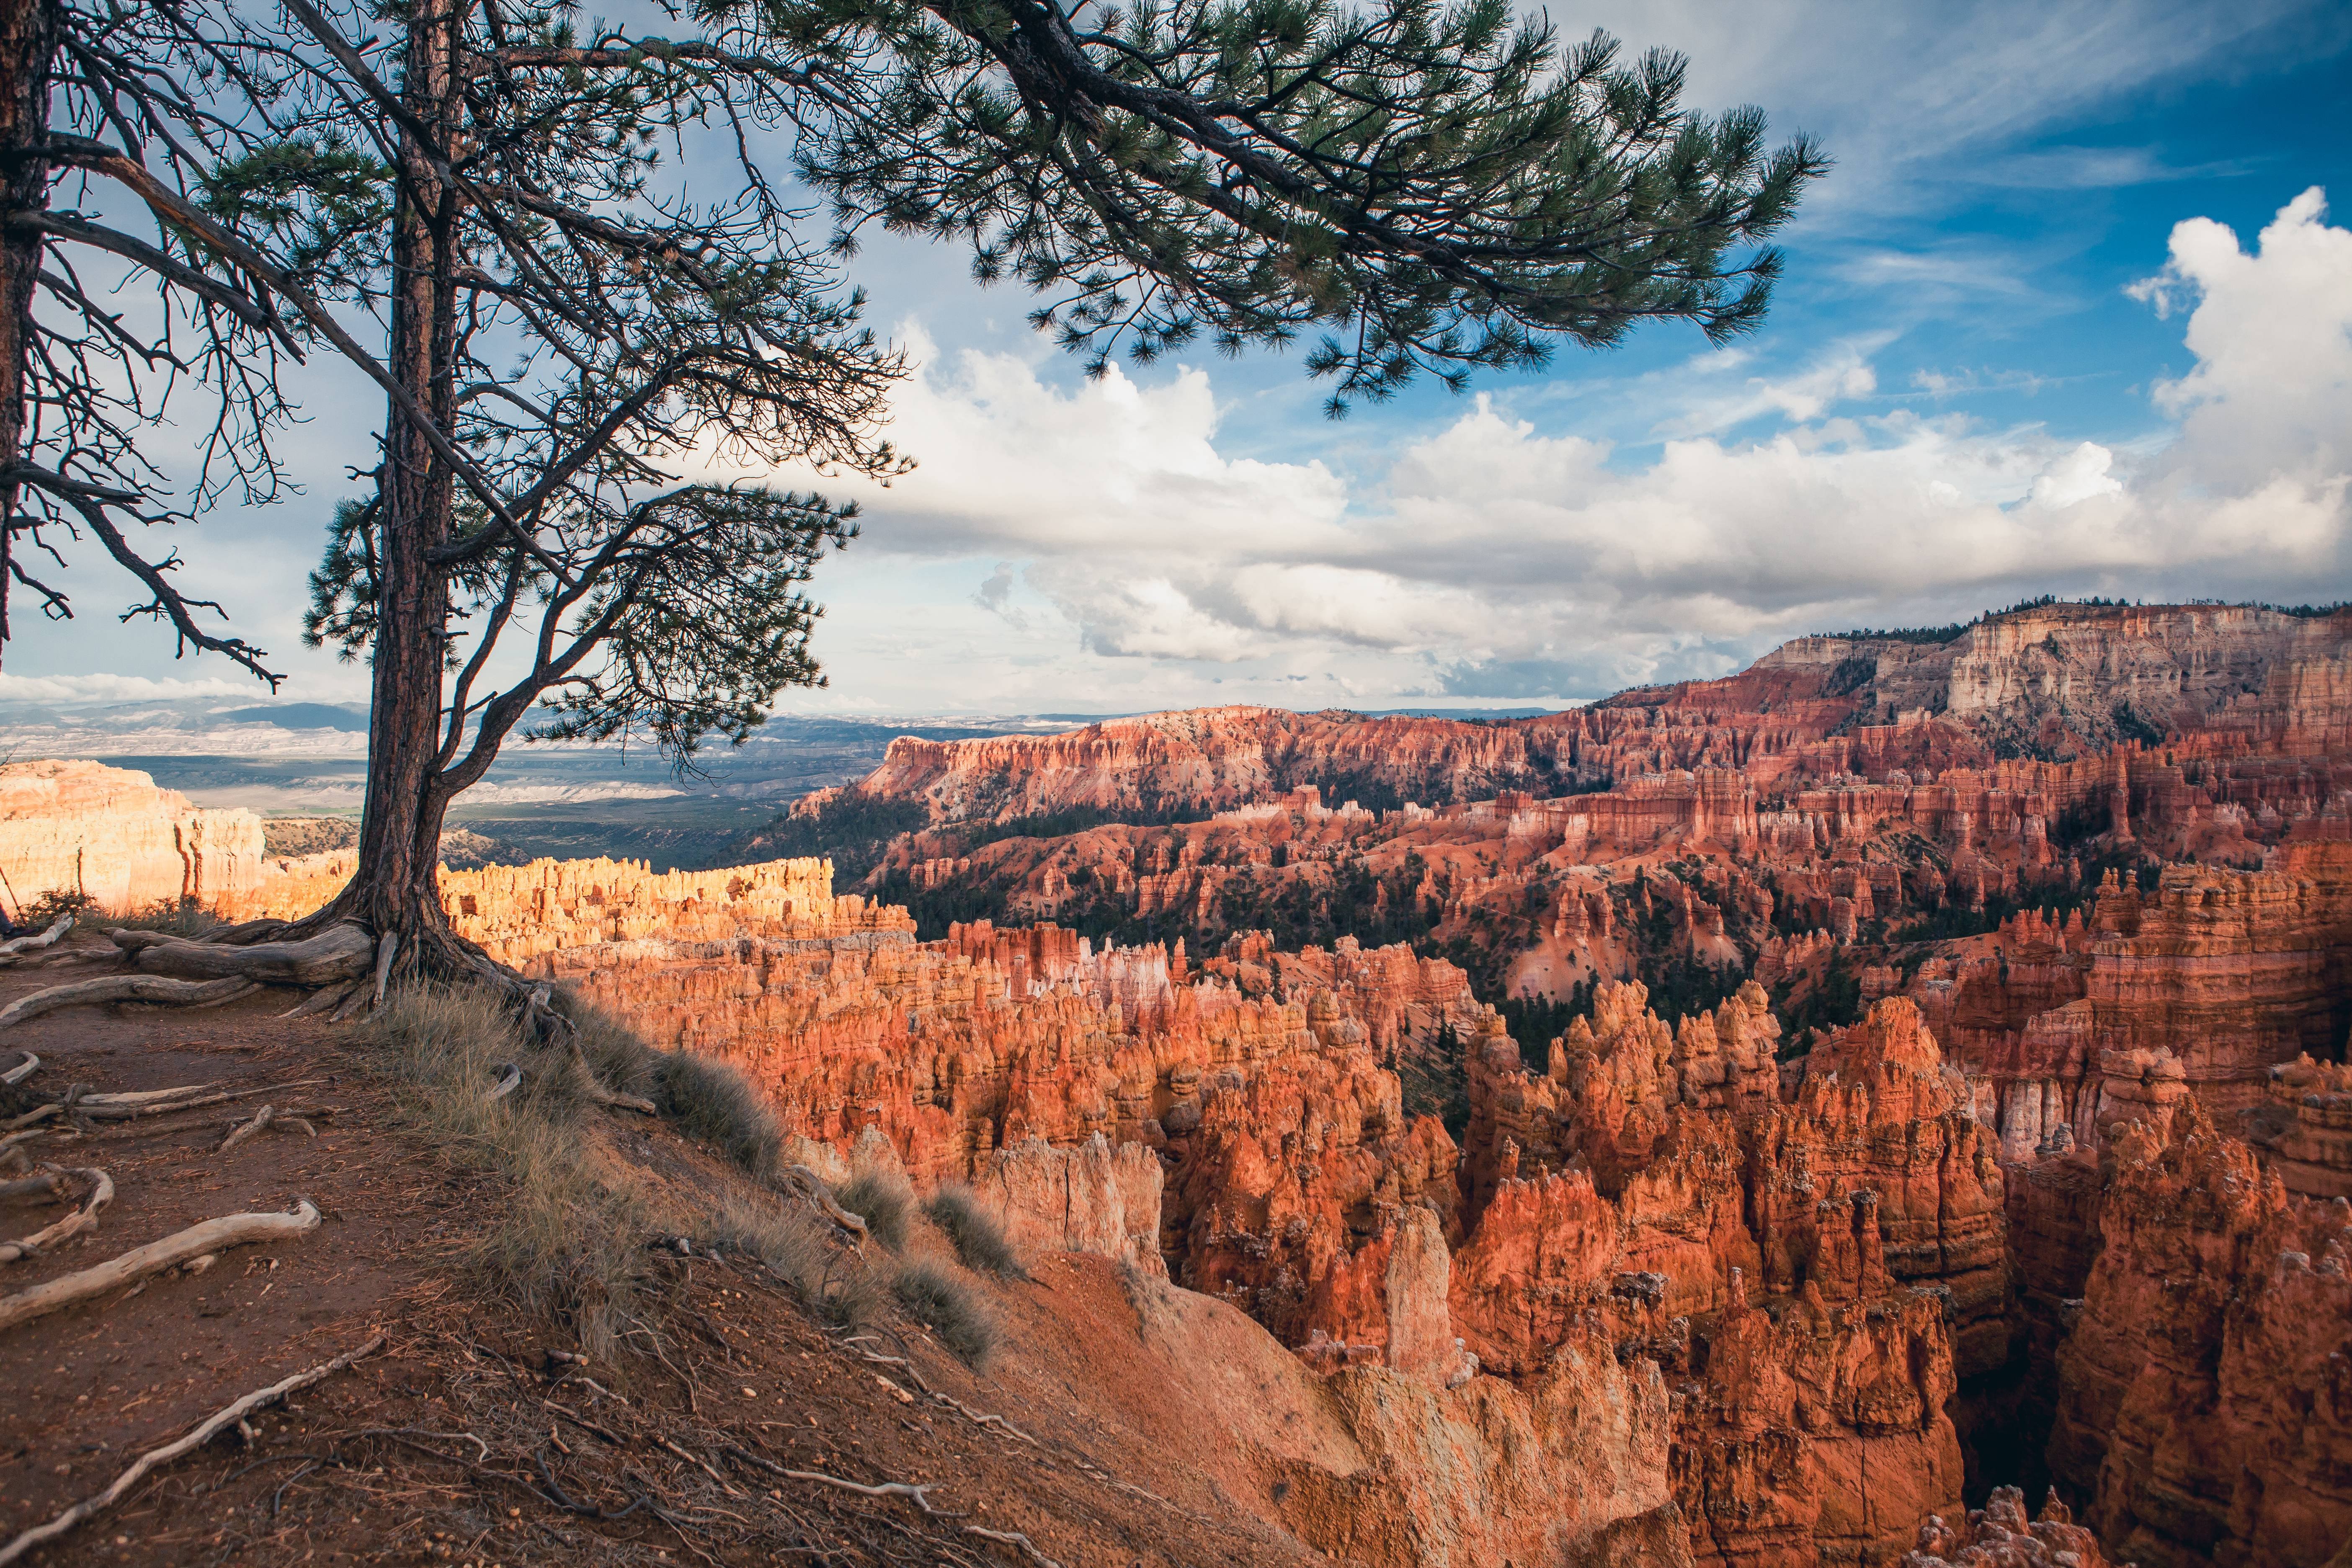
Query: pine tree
x,y
499,198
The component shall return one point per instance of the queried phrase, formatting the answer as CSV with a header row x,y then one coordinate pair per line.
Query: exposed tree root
x,y
211,1235
49,938
355,996
82,1108
1013,1538
320,1001
242,1130
248,933
219,1421
342,951
510,1080
385,951
121,988
50,1186
22,1071
85,1218
919,1495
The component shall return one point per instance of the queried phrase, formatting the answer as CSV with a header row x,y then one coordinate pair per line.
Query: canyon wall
x,y
110,836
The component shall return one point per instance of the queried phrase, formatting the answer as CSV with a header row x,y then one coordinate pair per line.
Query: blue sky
x,y
2014,353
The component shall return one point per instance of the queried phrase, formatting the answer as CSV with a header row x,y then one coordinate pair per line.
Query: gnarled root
x,y
49,938
510,1080
1013,1538
212,1236
22,1071
219,1421
320,1001
342,951
85,1218
122,988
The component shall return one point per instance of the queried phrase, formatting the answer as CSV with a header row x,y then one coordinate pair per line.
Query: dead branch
x,y
354,998
918,1495
216,1423
812,1186
49,938
510,1080
342,951
121,988
240,1131
544,1021
211,1235
1014,1538
101,1192
77,1106
318,1002
22,1071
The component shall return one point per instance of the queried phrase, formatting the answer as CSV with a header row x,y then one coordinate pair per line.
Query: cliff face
x,y
1811,1268
2205,1402
111,835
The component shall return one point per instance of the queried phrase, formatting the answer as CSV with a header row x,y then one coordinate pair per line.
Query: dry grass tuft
x,y
979,1240
564,1244
833,1285
174,917
710,1100
882,1200
950,1307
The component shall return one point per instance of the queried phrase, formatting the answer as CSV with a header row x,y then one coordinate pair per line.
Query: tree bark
x,y
395,889
28,38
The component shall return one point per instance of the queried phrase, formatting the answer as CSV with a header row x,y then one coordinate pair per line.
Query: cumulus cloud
x,y
1502,561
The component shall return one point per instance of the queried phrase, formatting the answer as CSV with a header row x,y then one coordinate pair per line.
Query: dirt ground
x,y
462,1440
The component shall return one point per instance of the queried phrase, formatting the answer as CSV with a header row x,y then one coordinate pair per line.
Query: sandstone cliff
x,y
2205,1405
110,834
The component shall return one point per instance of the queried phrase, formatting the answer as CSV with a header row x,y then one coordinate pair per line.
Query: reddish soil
x,y
462,1440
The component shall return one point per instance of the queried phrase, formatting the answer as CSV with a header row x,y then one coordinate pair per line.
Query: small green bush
x,y
979,1240
881,1200
950,1309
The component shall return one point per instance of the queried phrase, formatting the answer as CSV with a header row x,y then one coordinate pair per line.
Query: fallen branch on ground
x,y
22,1071
212,1236
220,1420
49,938
510,1080
122,988
342,951
982,1417
101,1192
1013,1538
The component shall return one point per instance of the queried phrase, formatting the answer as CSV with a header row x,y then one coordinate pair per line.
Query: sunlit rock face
x,y
2205,1407
110,834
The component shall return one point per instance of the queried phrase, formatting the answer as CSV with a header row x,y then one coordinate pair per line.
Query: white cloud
x,y
1494,558
114,687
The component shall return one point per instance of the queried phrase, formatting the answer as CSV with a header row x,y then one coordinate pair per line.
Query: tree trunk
x,y
29,37
394,890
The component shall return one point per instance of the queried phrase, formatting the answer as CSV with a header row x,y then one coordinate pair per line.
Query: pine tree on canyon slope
x,y
501,216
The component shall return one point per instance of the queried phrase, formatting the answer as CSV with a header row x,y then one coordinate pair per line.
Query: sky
x,y
2072,315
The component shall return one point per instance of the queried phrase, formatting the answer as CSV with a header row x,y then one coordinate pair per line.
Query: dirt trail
x,y
463,1441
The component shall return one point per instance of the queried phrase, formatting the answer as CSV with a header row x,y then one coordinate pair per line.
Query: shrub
x,y
832,1287
708,1101
950,1309
881,1200
979,1240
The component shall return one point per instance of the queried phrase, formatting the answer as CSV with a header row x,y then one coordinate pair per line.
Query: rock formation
x,y
110,836
2205,1402
1999,1535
